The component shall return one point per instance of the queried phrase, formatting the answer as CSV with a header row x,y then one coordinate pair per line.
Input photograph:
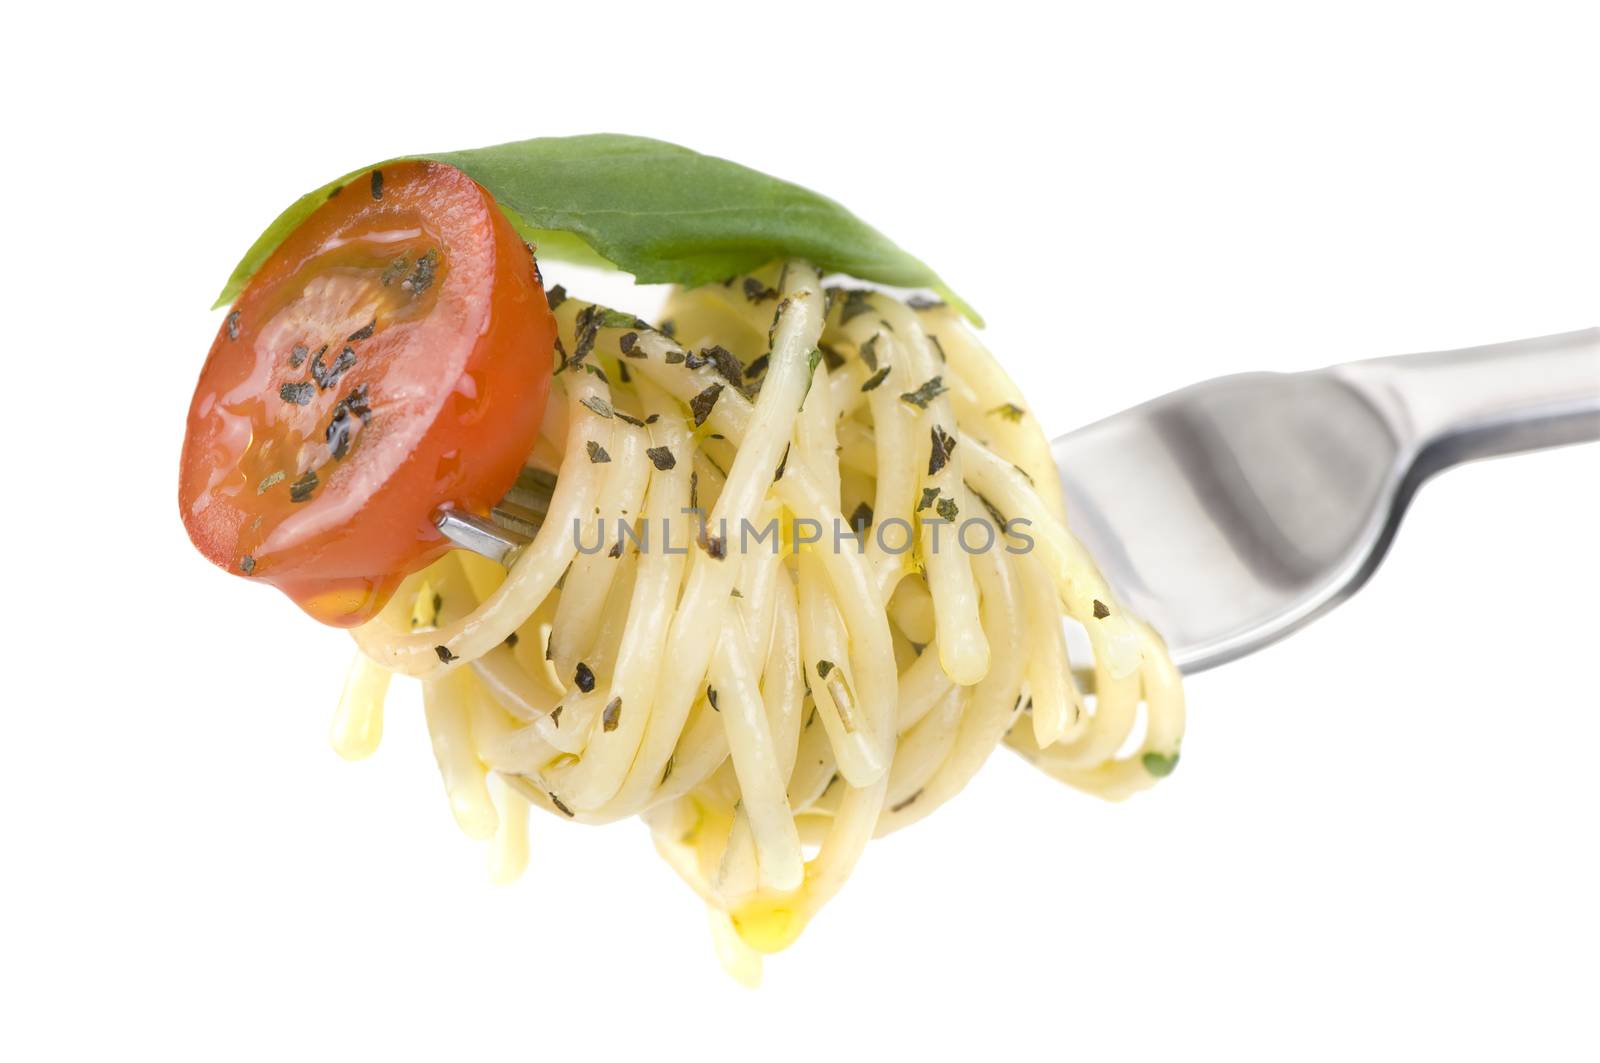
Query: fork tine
x,y
513,523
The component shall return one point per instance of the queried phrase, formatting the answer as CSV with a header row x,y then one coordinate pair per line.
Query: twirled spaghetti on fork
x,y
804,565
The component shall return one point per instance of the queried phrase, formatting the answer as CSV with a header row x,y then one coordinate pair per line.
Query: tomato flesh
x,y
392,357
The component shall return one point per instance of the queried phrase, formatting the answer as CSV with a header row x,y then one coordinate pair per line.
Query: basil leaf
x,y
660,212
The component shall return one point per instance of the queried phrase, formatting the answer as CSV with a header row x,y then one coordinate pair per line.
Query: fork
x,y
1234,511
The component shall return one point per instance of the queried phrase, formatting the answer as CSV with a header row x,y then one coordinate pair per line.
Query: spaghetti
x,y
769,706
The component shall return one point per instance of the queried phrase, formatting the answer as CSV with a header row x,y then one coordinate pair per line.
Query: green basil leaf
x,y
663,213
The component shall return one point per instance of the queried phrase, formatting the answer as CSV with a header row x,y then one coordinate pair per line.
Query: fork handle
x,y
1485,401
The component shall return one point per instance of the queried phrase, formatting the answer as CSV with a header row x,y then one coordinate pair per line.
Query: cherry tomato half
x,y
391,357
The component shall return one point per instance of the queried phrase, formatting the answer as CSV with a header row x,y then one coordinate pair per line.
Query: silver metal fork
x,y
1234,511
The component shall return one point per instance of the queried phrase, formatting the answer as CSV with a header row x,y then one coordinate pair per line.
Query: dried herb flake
x,y
944,444
584,677
301,489
702,403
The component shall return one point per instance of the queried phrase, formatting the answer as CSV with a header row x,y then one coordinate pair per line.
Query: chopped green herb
x,y
297,356
675,356
928,495
600,407
661,458
445,656
555,716
875,379
1158,765
297,394
716,547
757,367
1100,610
857,301
925,394
597,453
377,184
555,296
831,356
247,564
233,325
560,806
1009,410
364,332
612,714
628,343
938,347
861,518
944,444
869,352
947,508
261,488
824,667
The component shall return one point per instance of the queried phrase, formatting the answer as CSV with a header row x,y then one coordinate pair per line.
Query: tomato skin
x,y
318,470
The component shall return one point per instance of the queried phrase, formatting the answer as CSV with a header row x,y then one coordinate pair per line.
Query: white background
x,y
1382,837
